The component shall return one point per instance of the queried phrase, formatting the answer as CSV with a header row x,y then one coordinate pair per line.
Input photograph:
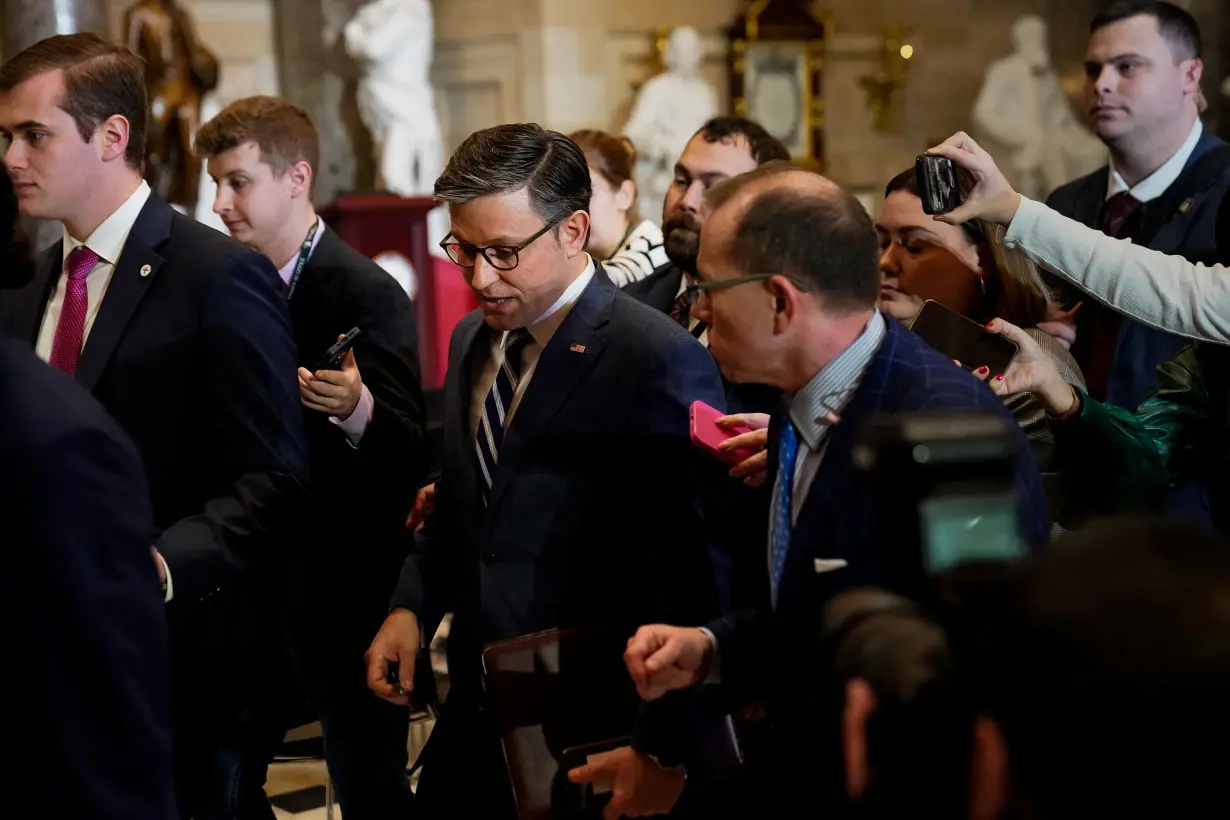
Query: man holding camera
x,y
811,329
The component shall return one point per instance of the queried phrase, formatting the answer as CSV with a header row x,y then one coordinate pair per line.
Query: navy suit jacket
x,y
1191,234
85,699
191,352
764,654
595,515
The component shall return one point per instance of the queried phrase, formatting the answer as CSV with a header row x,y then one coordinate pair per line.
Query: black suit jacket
x,y
85,698
593,516
659,290
348,555
191,353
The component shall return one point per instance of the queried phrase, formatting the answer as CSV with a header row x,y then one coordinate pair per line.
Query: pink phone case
x,y
707,435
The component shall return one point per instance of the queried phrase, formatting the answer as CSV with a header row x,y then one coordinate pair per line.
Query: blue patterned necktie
x,y
787,455
495,409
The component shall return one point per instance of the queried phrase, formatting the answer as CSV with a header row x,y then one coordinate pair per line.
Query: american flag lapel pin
x,y
577,348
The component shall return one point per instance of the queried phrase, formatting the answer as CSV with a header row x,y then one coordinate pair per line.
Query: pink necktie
x,y
66,349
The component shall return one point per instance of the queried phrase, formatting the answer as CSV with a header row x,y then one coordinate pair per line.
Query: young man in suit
x,y
565,496
1166,180
183,336
77,564
1142,89
788,287
365,436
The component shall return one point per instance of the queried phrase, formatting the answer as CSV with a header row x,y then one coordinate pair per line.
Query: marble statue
x,y
668,111
179,71
392,40
1026,120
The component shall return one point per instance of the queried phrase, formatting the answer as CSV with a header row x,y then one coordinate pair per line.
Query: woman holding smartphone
x,y
967,269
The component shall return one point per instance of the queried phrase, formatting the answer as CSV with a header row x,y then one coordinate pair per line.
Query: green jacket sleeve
x,y
1117,460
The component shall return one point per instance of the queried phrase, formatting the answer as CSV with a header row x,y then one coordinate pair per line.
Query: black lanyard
x,y
305,250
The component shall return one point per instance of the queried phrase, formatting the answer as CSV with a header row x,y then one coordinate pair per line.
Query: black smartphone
x,y
332,360
420,708
963,339
938,185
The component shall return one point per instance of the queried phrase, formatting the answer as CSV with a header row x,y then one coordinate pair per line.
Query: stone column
x,y
28,21
318,75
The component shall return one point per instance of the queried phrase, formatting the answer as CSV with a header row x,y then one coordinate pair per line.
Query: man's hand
x,y
1032,370
751,470
424,506
335,392
397,640
663,658
161,564
639,786
992,198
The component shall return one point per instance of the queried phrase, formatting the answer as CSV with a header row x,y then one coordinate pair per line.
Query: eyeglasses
x,y
696,288
500,257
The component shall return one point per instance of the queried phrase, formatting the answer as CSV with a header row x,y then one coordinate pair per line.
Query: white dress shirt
x,y
108,241
693,322
541,331
1164,292
1154,185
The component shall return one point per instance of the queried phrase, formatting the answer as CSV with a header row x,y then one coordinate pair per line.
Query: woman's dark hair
x,y
1015,290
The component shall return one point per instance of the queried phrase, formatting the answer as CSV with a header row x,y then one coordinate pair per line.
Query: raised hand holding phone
x,y
337,386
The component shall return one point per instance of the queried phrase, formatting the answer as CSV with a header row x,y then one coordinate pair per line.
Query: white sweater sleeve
x,y
1164,292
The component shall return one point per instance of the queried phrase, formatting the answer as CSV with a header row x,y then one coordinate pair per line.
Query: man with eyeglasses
x,y
788,279
568,495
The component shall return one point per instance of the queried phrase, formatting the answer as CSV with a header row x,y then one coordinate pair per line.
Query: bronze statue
x,y
178,73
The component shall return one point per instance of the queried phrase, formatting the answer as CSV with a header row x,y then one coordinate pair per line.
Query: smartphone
x,y
707,434
332,360
963,339
938,185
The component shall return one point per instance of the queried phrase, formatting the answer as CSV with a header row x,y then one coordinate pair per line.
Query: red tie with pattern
x,y
66,349
1102,322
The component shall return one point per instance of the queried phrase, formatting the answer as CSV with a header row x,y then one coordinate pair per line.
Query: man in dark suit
x,y
564,499
724,147
183,336
365,436
78,593
1167,178
789,280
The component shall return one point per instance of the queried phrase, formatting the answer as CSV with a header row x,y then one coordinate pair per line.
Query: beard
x,y
681,235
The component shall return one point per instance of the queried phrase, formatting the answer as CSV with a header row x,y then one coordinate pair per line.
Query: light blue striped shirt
x,y
829,391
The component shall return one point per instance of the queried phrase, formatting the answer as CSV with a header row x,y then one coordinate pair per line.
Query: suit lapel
x,y
135,271
832,482
471,341
1089,205
570,354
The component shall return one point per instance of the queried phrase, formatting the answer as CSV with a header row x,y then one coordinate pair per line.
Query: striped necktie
x,y
495,409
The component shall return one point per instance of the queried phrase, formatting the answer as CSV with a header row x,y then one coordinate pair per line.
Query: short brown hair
x,y
283,131
614,158
101,80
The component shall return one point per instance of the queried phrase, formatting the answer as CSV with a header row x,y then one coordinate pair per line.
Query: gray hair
x,y
509,158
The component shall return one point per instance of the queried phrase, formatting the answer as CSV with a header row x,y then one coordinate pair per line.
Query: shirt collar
x,y
108,239
830,390
288,270
544,327
1154,185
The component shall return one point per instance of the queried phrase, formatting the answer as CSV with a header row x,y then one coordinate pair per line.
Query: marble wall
x,y
577,63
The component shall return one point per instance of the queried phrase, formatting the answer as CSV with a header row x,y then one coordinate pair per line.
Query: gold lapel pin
x,y
145,271
577,348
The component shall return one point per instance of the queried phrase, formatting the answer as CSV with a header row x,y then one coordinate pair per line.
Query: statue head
x,y
1029,40
683,50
